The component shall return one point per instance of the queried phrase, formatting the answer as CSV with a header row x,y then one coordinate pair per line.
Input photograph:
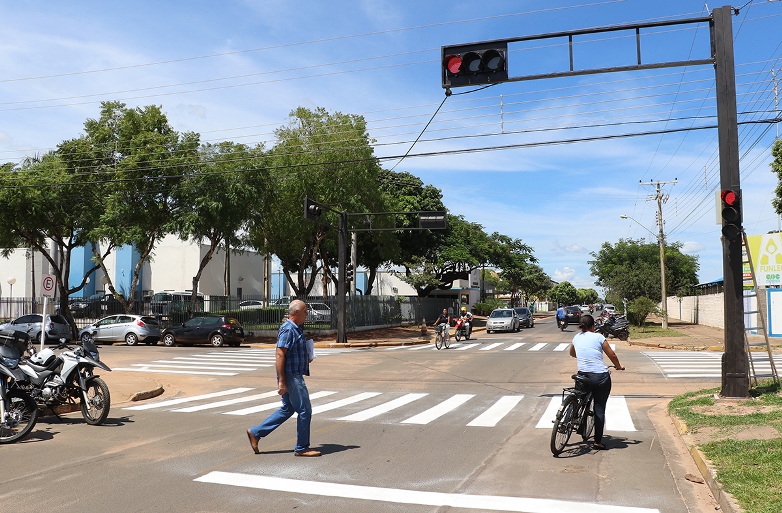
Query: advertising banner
x,y
766,252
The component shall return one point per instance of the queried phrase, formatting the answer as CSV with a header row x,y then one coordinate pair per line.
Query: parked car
x,y
56,327
251,304
217,330
502,319
127,328
525,317
318,312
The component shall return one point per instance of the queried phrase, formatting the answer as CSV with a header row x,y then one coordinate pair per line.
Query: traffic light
x,y
312,210
475,64
348,272
731,214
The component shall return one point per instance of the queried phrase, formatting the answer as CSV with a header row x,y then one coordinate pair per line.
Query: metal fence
x,y
254,313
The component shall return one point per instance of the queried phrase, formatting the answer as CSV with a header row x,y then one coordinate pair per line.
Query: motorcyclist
x,y
560,315
467,317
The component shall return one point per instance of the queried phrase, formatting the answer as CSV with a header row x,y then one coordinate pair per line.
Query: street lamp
x,y
10,282
661,241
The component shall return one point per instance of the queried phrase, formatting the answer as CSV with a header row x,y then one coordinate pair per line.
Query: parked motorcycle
x,y
18,411
54,380
614,327
462,329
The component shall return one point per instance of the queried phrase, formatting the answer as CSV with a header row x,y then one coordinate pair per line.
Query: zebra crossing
x,y
499,346
702,364
216,363
420,408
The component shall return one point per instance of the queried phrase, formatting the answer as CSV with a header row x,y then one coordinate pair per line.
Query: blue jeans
x,y
295,400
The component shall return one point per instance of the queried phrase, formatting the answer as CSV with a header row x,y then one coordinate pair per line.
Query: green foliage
x,y
639,309
631,269
776,168
486,307
564,293
587,296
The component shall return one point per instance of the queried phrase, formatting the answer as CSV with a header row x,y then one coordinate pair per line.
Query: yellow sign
x,y
766,252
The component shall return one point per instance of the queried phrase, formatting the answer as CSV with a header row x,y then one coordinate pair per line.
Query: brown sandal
x,y
599,447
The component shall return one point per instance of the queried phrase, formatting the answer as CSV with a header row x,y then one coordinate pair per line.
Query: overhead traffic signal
x,y
475,64
348,272
312,210
731,214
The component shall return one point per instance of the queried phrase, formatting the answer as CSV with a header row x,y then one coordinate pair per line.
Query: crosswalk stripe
x,y
173,371
438,411
165,367
496,412
467,346
562,347
227,402
417,348
384,408
229,358
617,414
513,347
203,364
343,402
271,406
172,402
491,346
537,347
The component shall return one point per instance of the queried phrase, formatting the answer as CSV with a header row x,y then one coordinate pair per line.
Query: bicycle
x,y
440,340
577,413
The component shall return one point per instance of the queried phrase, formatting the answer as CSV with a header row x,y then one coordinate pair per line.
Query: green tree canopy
x,y
564,293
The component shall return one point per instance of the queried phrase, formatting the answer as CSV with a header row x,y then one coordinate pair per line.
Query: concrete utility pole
x,y
662,198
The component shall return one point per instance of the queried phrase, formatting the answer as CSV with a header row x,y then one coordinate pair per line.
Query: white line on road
x,y
400,496
497,411
227,402
468,346
537,347
172,402
491,346
438,411
514,346
617,414
562,347
171,371
271,406
343,402
384,408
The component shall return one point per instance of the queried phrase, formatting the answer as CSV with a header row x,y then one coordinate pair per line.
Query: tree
x,y
587,296
213,201
324,156
776,167
143,161
564,293
512,257
631,269
639,309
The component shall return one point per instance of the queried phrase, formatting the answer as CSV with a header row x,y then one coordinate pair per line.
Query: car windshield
x,y
501,313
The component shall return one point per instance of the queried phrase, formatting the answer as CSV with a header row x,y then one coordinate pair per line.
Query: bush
x,y
639,309
486,307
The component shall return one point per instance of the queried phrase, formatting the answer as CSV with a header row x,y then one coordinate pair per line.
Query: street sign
x,y
47,286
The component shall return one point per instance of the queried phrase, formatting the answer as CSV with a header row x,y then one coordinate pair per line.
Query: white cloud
x,y
565,274
691,247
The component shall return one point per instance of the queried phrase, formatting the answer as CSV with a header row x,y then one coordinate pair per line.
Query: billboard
x,y
766,252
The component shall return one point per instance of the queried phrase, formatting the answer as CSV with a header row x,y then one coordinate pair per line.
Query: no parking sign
x,y
47,286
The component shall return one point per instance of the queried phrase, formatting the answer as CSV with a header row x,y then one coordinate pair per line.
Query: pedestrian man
x,y
293,363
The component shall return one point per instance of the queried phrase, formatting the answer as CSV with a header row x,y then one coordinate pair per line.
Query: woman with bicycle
x,y
444,321
588,348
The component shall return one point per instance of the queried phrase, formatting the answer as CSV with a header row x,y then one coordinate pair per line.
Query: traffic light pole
x,y
342,334
735,367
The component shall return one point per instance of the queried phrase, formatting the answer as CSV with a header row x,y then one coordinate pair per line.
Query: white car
x,y
318,312
584,309
502,319
609,308
251,304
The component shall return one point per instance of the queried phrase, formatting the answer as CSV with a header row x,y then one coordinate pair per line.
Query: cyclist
x,y
588,348
445,321
467,316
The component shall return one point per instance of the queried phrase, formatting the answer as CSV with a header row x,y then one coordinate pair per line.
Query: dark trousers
x,y
601,389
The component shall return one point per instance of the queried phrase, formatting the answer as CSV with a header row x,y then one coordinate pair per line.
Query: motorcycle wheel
x,y
97,408
458,336
623,336
21,416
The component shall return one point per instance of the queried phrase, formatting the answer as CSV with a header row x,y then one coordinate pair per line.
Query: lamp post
x,y
10,282
661,241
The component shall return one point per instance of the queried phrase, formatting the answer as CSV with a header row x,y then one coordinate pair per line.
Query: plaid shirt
x,y
291,337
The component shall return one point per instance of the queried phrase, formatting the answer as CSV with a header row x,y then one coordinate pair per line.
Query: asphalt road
x,y
401,429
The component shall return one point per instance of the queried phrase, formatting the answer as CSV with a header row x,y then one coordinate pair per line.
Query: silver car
x,y
503,319
128,328
56,327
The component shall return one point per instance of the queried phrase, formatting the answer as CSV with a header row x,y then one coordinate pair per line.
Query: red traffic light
x,y
453,63
475,64
730,198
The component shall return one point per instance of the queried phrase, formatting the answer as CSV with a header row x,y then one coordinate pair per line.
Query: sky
x,y
548,161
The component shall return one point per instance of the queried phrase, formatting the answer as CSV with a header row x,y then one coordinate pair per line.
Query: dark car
x,y
525,317
217,330
573,314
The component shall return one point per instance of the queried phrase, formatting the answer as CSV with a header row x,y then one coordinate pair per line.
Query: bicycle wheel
x,y
563,425
588,420
438,341
447,342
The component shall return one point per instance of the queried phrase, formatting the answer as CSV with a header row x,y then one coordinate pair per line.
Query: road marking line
x,y
537,347
172,402
514,346
491,346
617,414
416,348
438,411
343,402
196,365
171,371
234,358
467,346
227,402
417,497
562,347
164,367
271,406
384,408
497,411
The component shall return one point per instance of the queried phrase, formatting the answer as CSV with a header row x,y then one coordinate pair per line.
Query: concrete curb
x,y
709,474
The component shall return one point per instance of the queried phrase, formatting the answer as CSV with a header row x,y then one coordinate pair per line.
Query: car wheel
x,y
169,340
38,338
488,332
216,340
86,337
131,339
